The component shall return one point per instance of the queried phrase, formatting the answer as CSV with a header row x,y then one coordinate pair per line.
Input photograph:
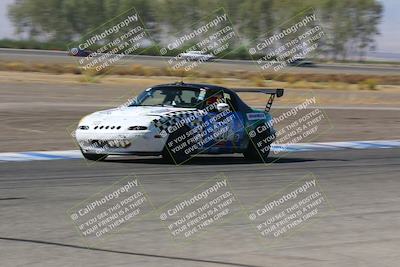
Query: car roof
x,y
194,85
243,106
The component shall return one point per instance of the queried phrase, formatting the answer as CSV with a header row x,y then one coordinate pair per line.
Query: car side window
x,y
212,97
231,101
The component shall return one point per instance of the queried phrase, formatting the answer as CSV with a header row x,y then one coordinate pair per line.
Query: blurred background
x,y
359,30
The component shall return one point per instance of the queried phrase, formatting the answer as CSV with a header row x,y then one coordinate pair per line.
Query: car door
x,y
224,128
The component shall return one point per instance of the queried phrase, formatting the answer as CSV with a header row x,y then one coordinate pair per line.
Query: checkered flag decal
x,y
175,117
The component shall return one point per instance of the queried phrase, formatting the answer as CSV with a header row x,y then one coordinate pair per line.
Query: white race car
x,y
196,56
179,121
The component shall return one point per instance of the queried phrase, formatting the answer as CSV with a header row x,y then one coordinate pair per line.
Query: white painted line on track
x,y
300,147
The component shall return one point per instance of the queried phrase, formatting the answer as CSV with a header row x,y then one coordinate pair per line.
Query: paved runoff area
x,y
315,208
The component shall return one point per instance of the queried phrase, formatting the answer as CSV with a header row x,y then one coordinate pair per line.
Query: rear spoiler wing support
x,y
272,92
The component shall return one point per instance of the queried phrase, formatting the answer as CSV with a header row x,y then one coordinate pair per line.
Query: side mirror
x,y
222,107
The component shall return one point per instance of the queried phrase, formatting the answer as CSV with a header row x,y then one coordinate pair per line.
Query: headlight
x,y
137,128
83,127
82,119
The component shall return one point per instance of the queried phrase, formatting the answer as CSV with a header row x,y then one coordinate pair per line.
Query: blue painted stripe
x,y
300,147
43,155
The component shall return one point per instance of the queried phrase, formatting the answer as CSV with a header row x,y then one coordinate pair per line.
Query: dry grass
x,y
303,80
368,84
335,93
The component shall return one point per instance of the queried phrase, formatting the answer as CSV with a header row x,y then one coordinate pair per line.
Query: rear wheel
x,y
94,156
260,144
254,154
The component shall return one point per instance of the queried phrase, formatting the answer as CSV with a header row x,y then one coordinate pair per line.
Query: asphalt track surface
x,y
44,56
362,229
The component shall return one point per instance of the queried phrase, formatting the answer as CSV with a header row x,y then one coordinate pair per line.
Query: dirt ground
x,y
38,111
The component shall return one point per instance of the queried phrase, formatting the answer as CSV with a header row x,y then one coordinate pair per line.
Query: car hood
x,y
132,116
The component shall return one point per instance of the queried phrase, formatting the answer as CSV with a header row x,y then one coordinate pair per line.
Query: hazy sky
x,y
6,29
388,41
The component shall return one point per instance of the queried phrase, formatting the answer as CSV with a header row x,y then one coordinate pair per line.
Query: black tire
x,y
167,157
259,154
94,156
253,154
180,156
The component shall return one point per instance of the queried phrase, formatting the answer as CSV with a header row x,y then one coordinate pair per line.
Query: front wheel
x,y
94,156
176,145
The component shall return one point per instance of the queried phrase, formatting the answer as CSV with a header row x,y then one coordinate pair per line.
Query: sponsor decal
x,y
255,116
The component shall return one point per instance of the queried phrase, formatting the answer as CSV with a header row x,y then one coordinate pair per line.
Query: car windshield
x,y
170,96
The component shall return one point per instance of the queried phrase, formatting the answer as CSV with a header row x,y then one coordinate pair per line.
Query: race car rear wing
x,y
272,92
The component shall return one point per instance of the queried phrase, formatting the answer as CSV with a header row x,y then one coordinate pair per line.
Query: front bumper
x,y
132,142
